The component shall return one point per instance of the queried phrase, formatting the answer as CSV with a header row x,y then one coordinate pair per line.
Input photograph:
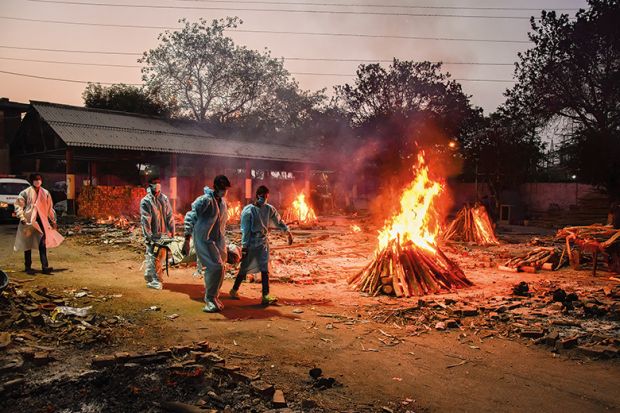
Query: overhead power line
x,y
40,49
292,73
362,35
62,80
68,63
310,59
387,6
295,11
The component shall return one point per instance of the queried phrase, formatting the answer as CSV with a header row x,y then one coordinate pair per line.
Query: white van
x,y
9,190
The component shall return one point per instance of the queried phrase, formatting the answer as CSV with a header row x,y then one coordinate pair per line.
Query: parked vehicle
x,y
9,190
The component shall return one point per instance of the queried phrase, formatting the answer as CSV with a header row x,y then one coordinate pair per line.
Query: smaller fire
x,y
179,218
472,224
355,228
234,212
119,222
300,212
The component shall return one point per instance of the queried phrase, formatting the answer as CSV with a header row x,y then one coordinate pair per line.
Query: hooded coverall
x,y
255,222
206,223
156,220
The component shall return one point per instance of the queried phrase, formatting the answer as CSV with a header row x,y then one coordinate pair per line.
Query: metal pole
x,y
70,176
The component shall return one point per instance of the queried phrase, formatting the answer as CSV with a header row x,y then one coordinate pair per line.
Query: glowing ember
x,y
355,228
234,212
407,261
300,211
472,224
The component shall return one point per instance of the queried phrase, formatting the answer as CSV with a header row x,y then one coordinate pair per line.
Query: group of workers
x,y
205,224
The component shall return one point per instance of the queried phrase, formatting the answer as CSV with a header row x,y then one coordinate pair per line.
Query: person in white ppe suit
x,y
255,221
206,223
37,224
157,221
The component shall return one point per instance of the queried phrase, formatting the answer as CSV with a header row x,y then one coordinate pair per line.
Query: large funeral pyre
x,y
407,261
300,212
472,224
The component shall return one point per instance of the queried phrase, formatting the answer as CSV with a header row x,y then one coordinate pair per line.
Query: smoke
x,y
378,166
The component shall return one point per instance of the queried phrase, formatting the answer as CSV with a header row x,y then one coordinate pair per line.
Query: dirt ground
x,y
321,322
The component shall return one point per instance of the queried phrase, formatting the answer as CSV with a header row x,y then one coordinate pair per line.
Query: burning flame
x,y
119,222
484,226
300,211
355,228
417,221
234,211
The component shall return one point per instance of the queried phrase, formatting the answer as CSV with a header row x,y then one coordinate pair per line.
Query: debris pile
x,y
190,378
116,232
32,317
472,224
584,320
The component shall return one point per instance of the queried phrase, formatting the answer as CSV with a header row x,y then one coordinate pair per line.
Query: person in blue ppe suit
x,y
255,220
157,221
206,222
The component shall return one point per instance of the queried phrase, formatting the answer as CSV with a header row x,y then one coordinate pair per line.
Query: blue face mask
x,y
261,200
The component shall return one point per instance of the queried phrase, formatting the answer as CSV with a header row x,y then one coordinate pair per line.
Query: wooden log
x,y
507,269
387,289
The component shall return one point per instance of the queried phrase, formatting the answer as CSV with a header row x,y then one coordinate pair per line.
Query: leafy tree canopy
x,y
125,98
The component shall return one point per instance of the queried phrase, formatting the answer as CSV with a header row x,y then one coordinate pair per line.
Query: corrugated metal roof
x,y
95,128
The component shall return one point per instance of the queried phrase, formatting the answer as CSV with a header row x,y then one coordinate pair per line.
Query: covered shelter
x,y
83,146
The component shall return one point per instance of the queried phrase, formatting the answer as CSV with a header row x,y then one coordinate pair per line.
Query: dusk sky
x,y
385,20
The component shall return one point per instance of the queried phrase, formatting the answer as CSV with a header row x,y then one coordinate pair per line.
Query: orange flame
x,y
417,221
300,211
355,228
483,226
119,222
234,211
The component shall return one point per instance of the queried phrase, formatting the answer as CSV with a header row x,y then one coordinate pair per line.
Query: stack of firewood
x,y
599,240
408,270
472,224
603,234
546,258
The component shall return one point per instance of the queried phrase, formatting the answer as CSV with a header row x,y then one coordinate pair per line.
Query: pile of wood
x,y
546,258
472,224
408,270
605,235
598,240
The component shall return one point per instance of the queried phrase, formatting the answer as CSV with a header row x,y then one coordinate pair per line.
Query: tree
x,y
502,152
286,114
407,105
208,75
125,98
571,73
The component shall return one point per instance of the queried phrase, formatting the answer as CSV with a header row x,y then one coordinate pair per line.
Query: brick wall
x,y
106,201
